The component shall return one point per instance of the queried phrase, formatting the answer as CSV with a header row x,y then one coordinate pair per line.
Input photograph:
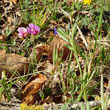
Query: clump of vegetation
x,y
55,51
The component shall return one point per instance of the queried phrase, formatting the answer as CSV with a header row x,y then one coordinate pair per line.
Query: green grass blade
x,y
63,34
99,23
33,11
102,92
44,18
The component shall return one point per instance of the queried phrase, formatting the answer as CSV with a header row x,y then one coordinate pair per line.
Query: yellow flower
x,y
23,107
30,107
87,2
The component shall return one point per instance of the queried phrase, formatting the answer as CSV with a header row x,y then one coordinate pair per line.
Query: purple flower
x,y
33,29
55,31
22,32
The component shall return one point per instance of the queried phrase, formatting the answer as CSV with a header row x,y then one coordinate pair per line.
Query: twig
x,y
14,62
29,74
82,37
8,45
71,106
92,104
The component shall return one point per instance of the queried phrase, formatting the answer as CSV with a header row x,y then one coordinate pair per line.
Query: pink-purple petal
x,y
37,28
33,29
31,25
22,32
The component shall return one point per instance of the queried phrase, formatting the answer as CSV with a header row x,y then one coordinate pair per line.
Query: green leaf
x,y
26,16
99,23
1,91
98,2
63,34
78,6
44,18
85,21
106,7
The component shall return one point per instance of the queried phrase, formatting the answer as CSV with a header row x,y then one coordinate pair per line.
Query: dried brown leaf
x,y
45,66
40,50
31,88
10,19
47,50
3,37
2,52
13,62
60,45
14,1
